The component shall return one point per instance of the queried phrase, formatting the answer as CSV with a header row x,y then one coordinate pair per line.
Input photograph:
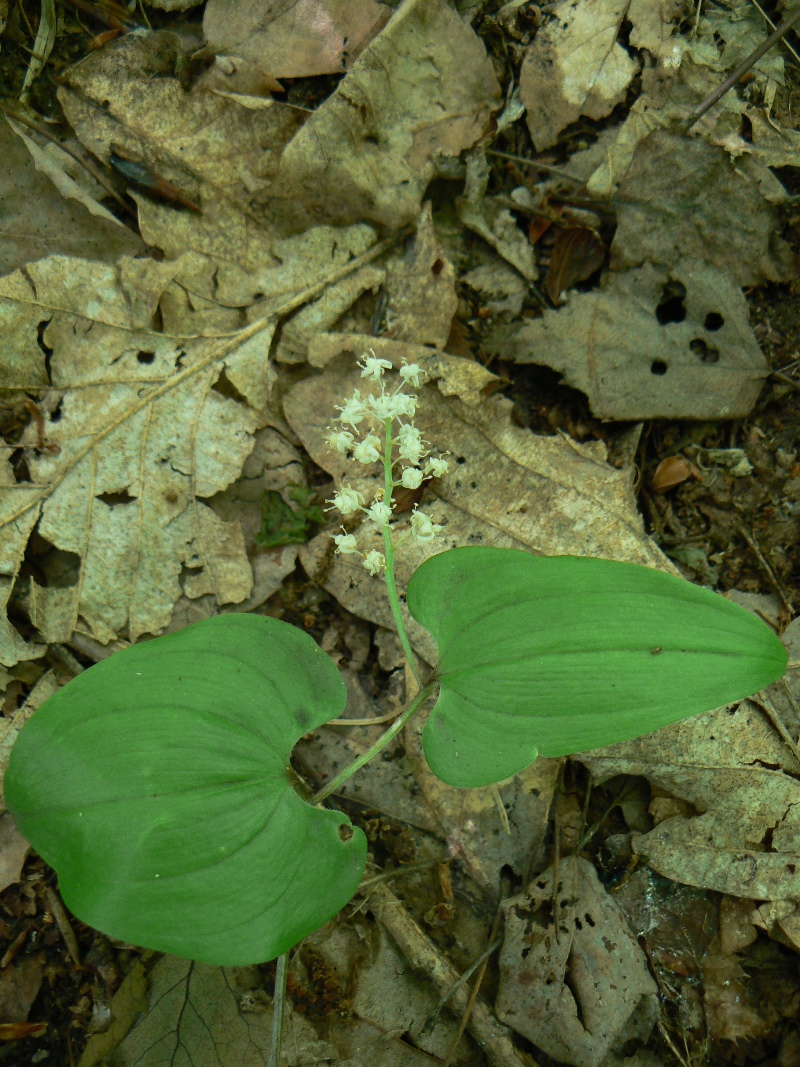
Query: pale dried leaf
x,y
674,206
37,221
10,726
575,67
42,45
571,972
136,417
194,1017
733,767
13,851
611,344
423,89
128,1003
294,38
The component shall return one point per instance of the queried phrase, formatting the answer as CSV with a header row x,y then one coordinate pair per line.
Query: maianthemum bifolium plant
x,y
158,784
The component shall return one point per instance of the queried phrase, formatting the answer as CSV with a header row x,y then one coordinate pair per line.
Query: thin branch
x,y
742,69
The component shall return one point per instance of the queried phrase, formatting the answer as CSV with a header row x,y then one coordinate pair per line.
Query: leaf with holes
x,y
140,417
158,786
562,654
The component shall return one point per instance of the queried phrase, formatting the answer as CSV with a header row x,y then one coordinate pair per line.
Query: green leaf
x,y
556,655
283,525
157,784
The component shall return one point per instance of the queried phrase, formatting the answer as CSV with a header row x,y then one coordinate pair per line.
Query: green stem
x,y
277,1011
379,745
391,584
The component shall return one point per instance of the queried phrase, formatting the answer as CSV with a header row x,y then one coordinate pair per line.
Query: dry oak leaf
x,y
141,436
674,207
571,972
224,156
735,770
294,38
424,89
650,344
575,66
506,487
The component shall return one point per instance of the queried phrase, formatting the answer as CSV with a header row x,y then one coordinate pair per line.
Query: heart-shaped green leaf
x,y
555,655
157,785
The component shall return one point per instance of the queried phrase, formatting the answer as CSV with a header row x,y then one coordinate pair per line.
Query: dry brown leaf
x,y
735,770
37,221
640,350
577,253
420,289
424,89
674,207
575,67
671,471
13,851
571,972
294,38
140,432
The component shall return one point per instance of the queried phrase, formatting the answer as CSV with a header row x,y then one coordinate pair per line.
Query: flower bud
x,y
353,411
423,528
340,441
346,500
436,467
411,478
410,372
368,450
374,367
374,562
346,543
380,513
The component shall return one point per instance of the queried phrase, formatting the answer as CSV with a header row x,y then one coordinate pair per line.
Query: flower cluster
x,y
394,410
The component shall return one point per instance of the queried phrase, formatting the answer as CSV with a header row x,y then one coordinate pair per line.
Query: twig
x,y
762,559
762,701
63,924
465,977
771,25
742,69
422,955
496,942
277,1011
548,167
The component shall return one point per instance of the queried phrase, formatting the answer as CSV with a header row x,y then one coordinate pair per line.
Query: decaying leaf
x,y
291,39
735,770
37,221
577,253
650,344
424,89
674,207
571,972
139,433
575,67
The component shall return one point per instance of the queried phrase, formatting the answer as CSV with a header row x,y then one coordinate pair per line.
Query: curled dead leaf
x,y
672,471
577,254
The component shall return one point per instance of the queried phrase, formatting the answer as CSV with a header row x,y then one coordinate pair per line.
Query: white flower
x,y
436,466
411,450
374,561
345,543
412,478
347,500
374,367
380,513
383,406
368,450
353,411
340,441
405,404
423,528
410,372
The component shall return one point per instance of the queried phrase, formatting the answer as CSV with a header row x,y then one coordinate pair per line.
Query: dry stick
x,y
98,175
771,25
762,559
494,942
742,69
63,924
422,955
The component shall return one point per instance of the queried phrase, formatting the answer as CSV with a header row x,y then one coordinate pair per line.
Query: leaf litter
x,y
155,401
